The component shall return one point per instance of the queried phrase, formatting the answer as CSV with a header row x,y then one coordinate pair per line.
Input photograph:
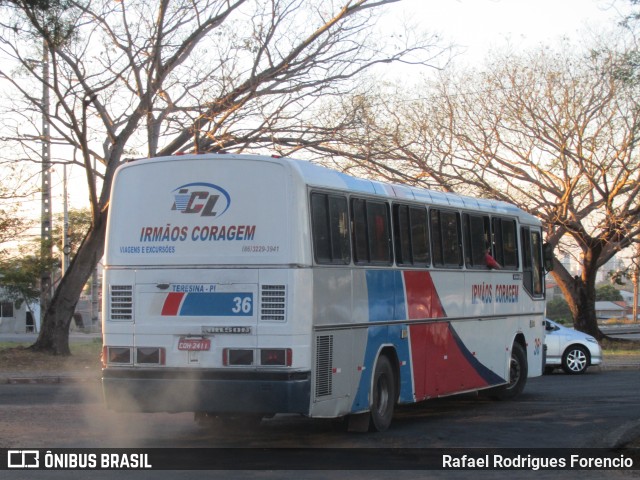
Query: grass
x,y
620,350
85,357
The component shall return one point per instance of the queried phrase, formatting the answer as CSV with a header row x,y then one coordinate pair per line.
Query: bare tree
x,y
16,187
555,133
148,78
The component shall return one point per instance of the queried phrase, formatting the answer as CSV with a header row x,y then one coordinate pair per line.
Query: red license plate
x,y
194,344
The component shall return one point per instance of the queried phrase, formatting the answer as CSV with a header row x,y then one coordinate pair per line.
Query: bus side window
x,y
538,274
476,240
532,261
436,238
411,235
379,237
371,232
402,234
330,229
445,237
505,243
360,240
419,236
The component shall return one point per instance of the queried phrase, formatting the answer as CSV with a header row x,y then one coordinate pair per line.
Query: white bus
x,y
252,285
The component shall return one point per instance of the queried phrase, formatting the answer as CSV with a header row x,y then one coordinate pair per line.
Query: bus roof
x,y
319,176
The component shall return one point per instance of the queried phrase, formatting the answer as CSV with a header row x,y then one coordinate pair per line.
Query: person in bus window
x,y
490,261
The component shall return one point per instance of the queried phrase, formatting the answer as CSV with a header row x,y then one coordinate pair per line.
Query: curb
x,y
47,379
618,438
617,366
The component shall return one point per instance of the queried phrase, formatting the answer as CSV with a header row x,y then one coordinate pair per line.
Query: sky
x,y
481,25
475,26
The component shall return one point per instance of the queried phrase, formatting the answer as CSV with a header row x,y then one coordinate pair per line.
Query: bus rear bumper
x,y
213,391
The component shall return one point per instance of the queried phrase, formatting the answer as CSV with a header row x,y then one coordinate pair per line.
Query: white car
x,y
572,350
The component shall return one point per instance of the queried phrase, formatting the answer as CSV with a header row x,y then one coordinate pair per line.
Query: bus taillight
x,y
150,355
116,355
269,357
276,357
237,357
129,356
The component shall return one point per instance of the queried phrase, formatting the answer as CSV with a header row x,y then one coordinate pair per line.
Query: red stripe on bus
x,y
439,366
172,303
423,300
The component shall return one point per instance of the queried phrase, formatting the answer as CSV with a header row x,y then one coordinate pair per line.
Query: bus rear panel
x,y
197,289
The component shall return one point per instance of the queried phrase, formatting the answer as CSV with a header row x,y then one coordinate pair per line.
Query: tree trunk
x,y
54,333
584,311
580,293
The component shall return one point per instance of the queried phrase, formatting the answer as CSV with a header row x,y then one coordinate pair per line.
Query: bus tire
x,y
383,395
518,373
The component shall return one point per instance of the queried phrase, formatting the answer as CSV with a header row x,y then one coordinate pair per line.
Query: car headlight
x,y
591,339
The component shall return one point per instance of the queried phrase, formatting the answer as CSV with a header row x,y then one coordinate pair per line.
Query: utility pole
x,y
95,300
634,279
66,247
45,218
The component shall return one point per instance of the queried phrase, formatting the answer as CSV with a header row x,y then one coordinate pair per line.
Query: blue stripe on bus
x,y
236,304
386,295
386,300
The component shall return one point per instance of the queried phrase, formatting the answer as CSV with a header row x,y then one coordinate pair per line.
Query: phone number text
x,y
260,249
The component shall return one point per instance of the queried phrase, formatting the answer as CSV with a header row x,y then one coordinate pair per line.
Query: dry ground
x,y
85,357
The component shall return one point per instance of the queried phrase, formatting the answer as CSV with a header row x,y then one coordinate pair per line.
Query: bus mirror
x,y
547,256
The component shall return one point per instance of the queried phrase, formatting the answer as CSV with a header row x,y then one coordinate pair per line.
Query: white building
x,y
607,310
18,319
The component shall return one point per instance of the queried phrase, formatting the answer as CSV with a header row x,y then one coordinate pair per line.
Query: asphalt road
x,y
556,411
598,409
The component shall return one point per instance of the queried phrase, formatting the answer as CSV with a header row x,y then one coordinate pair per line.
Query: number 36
x,y
241,305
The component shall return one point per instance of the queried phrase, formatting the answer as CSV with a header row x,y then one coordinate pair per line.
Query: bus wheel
x,y
383,395
518,372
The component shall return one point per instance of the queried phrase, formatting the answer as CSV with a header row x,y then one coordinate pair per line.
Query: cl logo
x,y
205,199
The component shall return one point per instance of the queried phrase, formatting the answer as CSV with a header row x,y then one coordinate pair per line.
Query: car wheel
x,y
383,395
575,360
